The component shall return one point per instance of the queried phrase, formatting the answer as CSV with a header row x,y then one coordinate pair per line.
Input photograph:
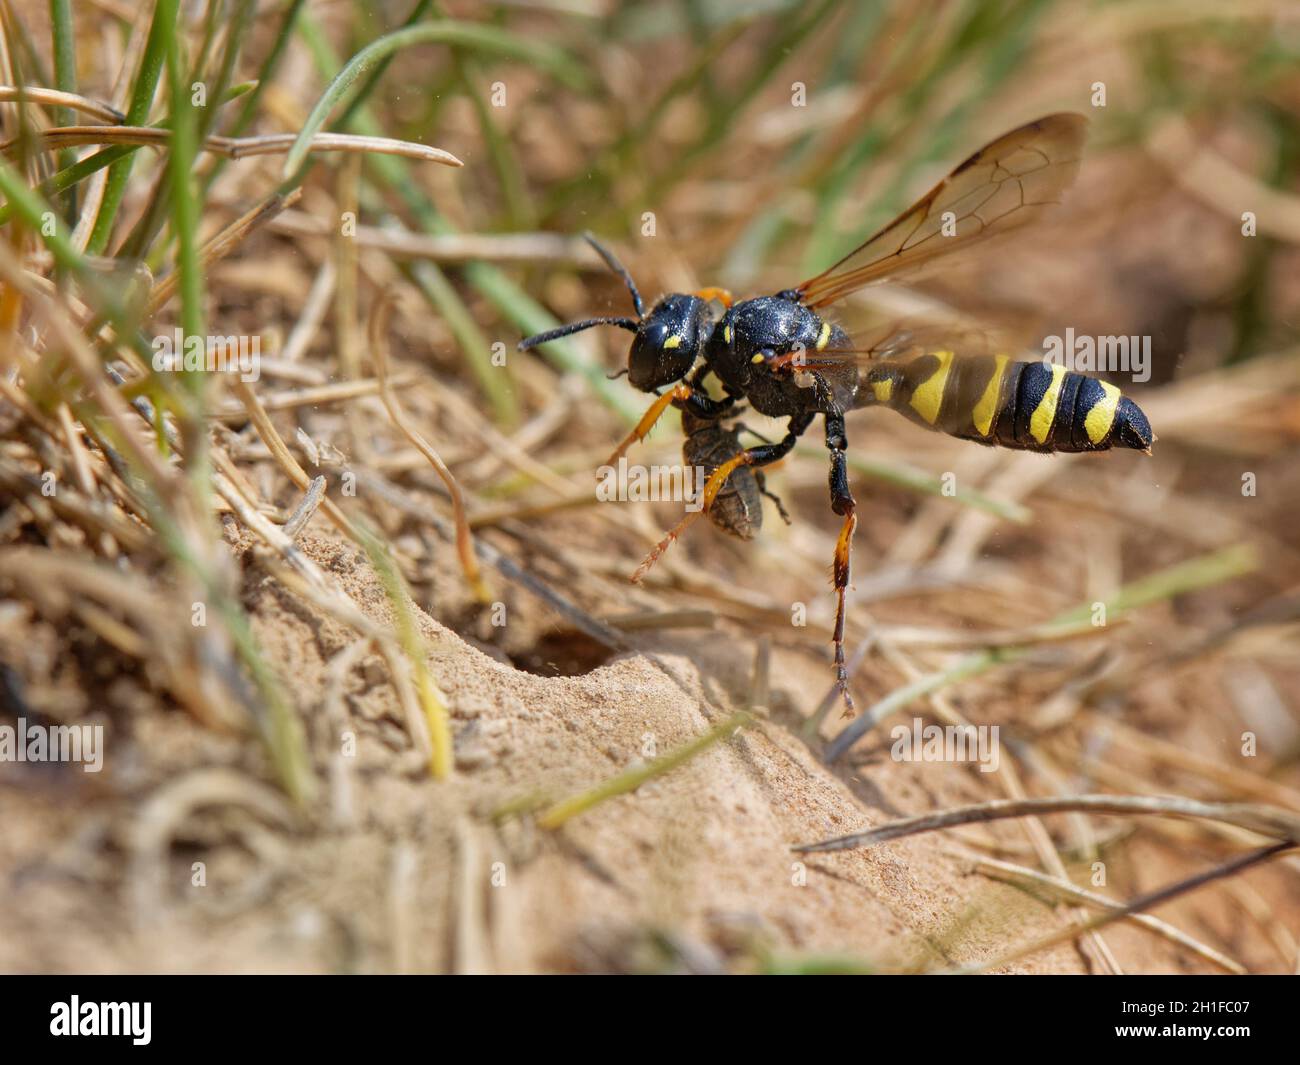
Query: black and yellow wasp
x,y
778,353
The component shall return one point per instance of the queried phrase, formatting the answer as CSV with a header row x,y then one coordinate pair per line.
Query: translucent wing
x,y
898,342
843,372
1003,186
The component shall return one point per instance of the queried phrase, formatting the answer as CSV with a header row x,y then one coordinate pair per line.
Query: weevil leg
x,y
842,503
762,487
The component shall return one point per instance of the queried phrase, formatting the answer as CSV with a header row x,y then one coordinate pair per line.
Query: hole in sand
x,y
566,653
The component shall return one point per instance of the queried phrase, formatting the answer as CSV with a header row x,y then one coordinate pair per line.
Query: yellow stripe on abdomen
x,y
1040,422
927,397
987,406
1102,415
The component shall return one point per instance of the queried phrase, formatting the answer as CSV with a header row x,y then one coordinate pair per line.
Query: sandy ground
x,y
395,872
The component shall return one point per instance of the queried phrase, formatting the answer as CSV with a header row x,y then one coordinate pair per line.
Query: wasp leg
x,y
679,395
663,545
842,503
722,295
705,406
762,487
762,455
647,422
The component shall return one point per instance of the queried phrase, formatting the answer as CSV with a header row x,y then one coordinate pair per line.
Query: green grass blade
x,y
468,35
65,64
162,32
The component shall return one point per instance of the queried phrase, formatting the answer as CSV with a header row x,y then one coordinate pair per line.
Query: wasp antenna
x,y
630,324
611,260
616,376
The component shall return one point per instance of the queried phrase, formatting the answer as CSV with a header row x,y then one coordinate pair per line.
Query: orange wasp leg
x,y
709,493
663,545
843,558
763,455
648,420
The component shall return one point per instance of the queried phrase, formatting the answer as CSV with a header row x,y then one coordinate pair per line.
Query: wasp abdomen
x,y
994,399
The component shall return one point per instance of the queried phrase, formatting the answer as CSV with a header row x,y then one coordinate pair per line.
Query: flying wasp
x,y
781,356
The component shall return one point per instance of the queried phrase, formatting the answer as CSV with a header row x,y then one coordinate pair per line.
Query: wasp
x,y
781,356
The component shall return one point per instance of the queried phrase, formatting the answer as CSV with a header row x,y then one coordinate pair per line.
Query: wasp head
x,y
667,341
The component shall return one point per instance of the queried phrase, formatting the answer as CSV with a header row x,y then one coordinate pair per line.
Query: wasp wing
x,y
898,341
842,372
1005,185
850,373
